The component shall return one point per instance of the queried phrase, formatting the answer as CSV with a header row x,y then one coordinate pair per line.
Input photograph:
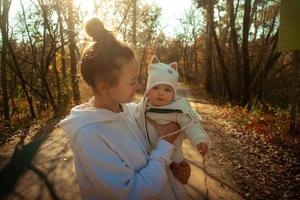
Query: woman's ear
x,y
101,86
154,60
174,65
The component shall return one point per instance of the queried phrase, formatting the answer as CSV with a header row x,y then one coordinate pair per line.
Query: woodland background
x,y
227,47
244,88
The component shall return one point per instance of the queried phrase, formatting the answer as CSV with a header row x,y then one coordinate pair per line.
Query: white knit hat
x,y
161,73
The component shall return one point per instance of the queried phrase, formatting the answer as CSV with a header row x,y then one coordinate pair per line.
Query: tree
x,y
235,45
209,46
188,36
134,19
72,49
245,51
4,10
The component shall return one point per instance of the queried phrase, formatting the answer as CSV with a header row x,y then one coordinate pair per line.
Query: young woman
x,y
111,154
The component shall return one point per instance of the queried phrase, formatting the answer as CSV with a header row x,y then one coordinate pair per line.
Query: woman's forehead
x,y
129,72
131,68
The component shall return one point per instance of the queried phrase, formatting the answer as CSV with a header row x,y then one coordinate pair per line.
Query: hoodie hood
x,y
87,113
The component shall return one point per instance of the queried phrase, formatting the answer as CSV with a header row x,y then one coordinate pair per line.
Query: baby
x,y
161,105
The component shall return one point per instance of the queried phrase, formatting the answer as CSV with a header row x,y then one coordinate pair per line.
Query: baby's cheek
x,y
150,100
150,96
171,96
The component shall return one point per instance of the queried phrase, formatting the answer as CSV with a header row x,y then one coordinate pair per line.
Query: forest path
x,y
219,184
43,168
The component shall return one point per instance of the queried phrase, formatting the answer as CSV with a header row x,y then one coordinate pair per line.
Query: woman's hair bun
x,y
95,29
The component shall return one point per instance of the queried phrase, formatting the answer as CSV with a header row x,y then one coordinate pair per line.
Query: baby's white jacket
x,y
112,158
189,121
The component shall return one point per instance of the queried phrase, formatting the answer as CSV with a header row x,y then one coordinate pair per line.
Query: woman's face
x,y
127,85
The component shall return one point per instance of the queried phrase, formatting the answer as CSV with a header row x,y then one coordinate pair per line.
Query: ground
x,y
40,165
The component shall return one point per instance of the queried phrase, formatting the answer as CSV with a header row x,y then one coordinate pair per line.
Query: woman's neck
x,y
108,104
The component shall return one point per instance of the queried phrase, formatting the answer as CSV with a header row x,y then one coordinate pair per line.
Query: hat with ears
x,y
161,73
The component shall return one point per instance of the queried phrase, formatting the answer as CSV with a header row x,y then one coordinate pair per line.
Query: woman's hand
x,y
163,130
181,171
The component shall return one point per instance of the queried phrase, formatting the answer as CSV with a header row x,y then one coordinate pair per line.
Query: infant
x,y
161,104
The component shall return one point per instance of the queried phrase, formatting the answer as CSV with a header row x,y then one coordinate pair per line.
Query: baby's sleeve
x,y
194,130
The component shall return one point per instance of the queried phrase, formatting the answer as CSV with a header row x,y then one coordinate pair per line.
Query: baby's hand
x,y
202,148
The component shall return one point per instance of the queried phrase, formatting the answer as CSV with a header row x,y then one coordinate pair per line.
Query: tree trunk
x,y
23,82
195,54
134,41
57,80
72,49
236,53
263,70
49,93
209,47
246,63
62,40
5,6
224,68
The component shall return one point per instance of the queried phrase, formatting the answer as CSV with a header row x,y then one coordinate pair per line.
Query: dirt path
x,y
219,184
43,169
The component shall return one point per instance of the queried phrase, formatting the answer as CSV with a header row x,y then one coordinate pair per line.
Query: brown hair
x,y
103,60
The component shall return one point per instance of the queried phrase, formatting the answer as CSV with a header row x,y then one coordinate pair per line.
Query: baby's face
x,y
161,95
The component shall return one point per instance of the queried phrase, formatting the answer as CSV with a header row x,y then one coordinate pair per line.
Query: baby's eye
x,y
168,90
155,88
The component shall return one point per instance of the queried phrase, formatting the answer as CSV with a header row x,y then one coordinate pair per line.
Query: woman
x,y
111,154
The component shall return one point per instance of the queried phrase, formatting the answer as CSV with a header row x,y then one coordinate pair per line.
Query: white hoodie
x,y
111,155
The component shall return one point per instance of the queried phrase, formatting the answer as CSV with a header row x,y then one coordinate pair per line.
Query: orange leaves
x,y
262,129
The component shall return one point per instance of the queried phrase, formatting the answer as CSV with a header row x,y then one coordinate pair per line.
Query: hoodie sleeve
x,y
110,175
